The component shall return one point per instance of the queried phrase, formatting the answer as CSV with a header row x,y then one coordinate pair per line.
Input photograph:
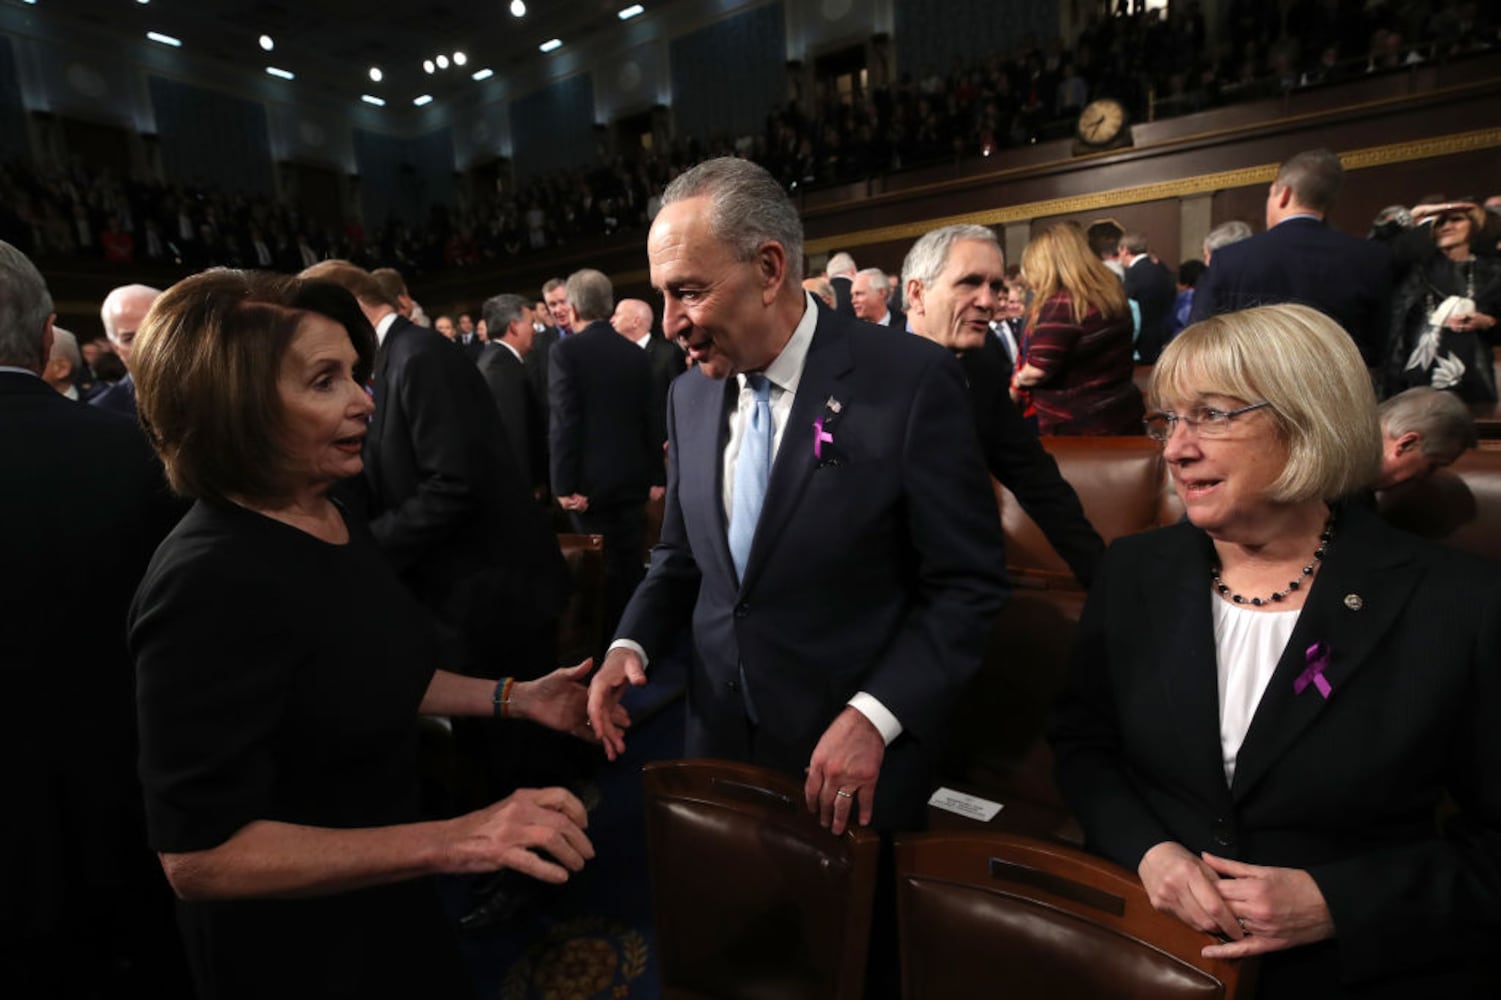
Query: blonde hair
x,y
1058,259
1307,367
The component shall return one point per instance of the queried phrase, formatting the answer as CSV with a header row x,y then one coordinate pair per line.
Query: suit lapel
x,y
1191,679
827,362
703,426
1356,598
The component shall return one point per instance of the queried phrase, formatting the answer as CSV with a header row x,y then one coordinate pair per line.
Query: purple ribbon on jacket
x,y
820,438
1318,661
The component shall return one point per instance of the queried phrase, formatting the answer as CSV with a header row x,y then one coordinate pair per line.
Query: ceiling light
x,y
459,59
274,71
427,64
442,62
375,74
267,44
518,9
373,100
157,36
483,74
551,44
424,99
631,11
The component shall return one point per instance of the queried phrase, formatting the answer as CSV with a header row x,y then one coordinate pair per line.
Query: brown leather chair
x,y
1459,506
583,619
993,914
753,898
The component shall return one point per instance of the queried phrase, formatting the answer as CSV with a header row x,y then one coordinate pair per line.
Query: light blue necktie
x,y
752,471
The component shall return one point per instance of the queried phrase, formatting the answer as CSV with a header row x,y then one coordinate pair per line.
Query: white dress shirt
x,y
1248,645
383,327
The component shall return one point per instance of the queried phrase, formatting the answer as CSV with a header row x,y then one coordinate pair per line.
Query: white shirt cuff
x,y
634,647
878,714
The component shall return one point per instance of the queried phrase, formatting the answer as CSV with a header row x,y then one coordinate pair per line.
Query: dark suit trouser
x,y
624,529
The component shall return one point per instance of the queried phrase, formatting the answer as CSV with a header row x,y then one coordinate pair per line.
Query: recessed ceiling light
x,y
459,59
483,74
373,100
427,64
424,99
631,11
157,36
274,71
442,62
375,74
267,44
551,44
518,9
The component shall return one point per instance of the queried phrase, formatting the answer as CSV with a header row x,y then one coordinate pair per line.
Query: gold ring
x,y
844,794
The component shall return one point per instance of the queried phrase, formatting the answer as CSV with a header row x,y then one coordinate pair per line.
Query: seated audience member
x,y
1422,429
1271,699
1076,365
1189,273
281,665
955,283
1443,318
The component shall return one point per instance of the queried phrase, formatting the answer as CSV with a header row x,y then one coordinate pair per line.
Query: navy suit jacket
x,y
877,567
521,413
667,361
448,503
119,398
1347,788
1155,289
1305,261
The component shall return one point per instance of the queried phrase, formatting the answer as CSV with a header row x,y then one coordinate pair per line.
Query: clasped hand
x,y
1257,908
560,701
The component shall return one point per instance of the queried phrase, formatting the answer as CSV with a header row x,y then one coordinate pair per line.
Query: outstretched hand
x,y
621,667
560,701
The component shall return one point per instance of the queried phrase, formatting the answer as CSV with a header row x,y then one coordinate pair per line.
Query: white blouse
x,y
1248,645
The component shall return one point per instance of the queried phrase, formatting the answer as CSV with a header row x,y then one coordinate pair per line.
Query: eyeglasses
x,y
1206,421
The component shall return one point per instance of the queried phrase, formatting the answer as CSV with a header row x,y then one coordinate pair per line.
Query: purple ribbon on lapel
x,y
1318,661
820,438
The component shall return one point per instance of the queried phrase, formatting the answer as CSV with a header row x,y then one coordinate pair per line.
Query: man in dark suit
x,y
450,508
557,317
503,364
468,338
829,527
633,321
1154,289
868,295
122,312
84,506
1301,259
955,282
605,451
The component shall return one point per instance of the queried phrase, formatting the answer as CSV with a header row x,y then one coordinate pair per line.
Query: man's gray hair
x,y
876,277
840,264
65,345
1440,417
1136,243
747,209
25,305
500,311
1225,234
591,295
1315,177
926,259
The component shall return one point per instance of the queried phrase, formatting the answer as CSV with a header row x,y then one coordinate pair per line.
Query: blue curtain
x,y
209,135
12,117
939,36
727,76
553,128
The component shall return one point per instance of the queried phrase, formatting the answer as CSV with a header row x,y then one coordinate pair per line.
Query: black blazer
x,y
448,503
119,398
521,414
1017,458
84,506
604,442
537,368
1346,788
1155,289
843,304
1305,261
667,361
875,567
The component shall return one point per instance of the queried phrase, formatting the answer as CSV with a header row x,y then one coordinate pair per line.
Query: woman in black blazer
x,y
1273,702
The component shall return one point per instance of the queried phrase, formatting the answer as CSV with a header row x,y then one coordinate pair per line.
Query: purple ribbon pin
x,y
1318,661
820,438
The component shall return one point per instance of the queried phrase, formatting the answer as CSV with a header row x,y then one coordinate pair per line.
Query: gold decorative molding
x,y
1357,159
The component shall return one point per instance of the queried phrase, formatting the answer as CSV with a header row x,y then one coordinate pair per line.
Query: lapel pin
x,y
833,405
1354,602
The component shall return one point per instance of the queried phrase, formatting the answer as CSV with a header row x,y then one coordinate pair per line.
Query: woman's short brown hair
x,y
206,364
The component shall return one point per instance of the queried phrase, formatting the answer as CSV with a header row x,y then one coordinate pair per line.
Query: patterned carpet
x,y
592,939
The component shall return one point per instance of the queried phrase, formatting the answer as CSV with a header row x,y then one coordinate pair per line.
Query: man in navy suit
x,y
123,310
1301,259
829,527
606,453
503,364
1154,289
